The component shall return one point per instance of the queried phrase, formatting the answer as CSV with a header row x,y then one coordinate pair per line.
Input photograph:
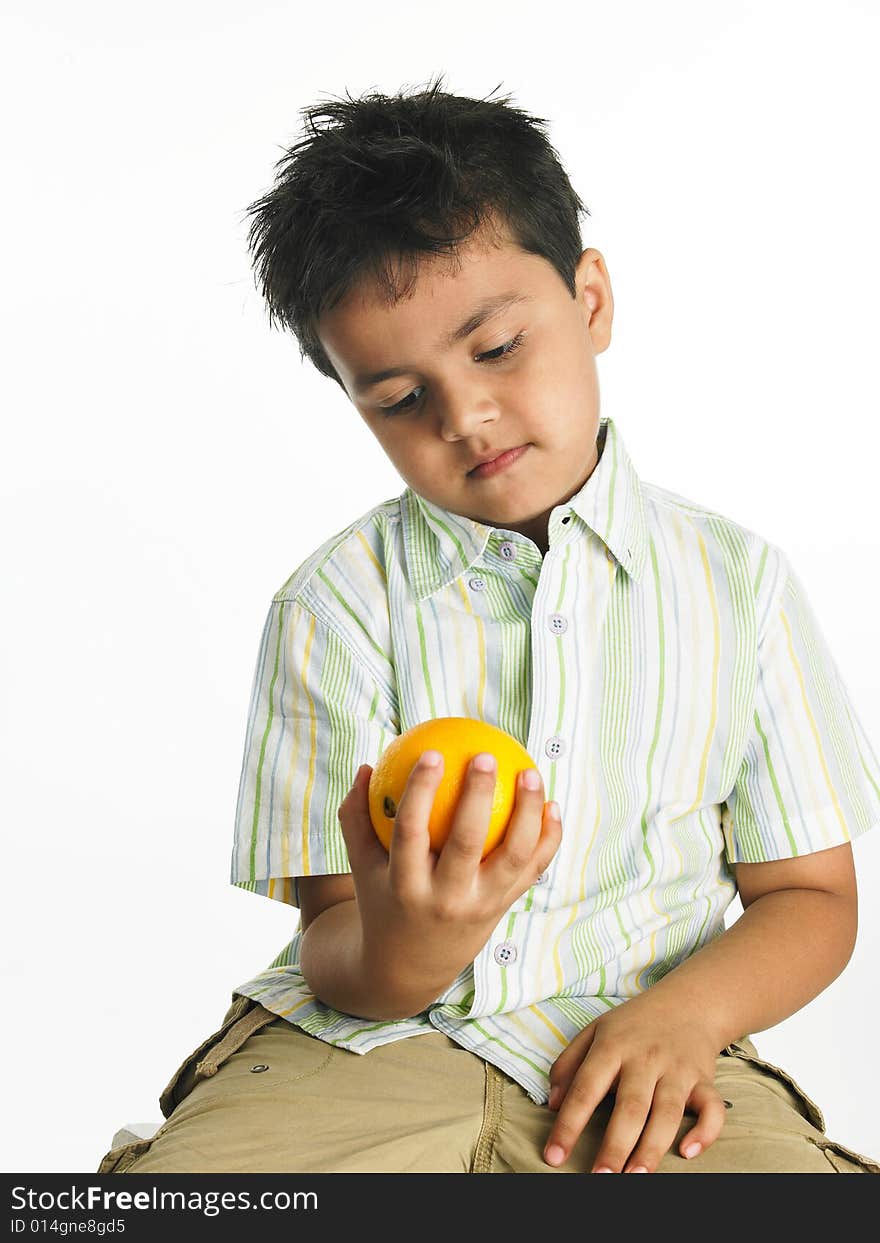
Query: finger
x,y
657,1137
532,838
705,1100
563,1070
463,848
632,1107
589,1087
410,851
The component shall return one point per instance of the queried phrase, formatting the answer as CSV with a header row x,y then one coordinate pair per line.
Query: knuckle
x,y
446,910
517,860
463,845
580,1094
631,1106
669,1108
406,825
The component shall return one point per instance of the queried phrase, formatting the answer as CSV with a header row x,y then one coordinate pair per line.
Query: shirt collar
x,y
440,545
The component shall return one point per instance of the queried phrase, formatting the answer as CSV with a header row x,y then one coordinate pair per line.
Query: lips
x,y
504,459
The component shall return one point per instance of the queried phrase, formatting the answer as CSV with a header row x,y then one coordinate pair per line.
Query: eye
x,y
404,404
492,356
503,351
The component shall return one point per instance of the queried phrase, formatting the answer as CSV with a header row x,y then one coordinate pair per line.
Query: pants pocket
x,y
845,1160
841,1157
117,1160
745,1050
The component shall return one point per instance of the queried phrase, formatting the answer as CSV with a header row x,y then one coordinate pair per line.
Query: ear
x,y
593,287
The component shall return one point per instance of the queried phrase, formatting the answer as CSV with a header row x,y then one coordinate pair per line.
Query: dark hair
x,y
387,178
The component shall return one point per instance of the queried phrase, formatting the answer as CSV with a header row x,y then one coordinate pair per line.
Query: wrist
x,y
401,977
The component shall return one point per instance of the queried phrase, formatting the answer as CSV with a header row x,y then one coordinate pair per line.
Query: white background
x,y
168,460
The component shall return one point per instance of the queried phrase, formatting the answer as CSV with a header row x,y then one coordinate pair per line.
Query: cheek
x,y
554,378
413,453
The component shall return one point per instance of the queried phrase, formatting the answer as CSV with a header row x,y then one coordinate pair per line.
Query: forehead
x,y
365,327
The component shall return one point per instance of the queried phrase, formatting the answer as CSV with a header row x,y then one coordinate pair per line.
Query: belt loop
x,y
238,1033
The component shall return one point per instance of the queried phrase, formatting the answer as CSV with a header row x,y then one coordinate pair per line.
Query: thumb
x,y
355,785
357,827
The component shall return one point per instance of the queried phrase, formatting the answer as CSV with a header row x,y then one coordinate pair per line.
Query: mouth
x,y
505,459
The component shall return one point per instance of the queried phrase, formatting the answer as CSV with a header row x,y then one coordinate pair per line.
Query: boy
x,y
573,1002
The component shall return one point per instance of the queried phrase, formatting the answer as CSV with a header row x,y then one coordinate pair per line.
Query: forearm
x,y
784,950
378,982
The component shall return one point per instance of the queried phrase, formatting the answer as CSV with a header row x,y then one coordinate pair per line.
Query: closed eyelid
x,y
491,349
485,311
507,348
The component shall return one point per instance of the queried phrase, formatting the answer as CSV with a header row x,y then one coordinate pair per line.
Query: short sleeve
x,y
809,778
315,716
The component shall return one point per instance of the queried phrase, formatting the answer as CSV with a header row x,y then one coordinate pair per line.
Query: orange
x,y
458,739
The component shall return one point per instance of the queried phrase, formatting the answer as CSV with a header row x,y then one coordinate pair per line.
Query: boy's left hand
x,y
660,1061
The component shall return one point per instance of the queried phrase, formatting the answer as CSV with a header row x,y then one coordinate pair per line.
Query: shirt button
x,y
567,518
542,879
476,584
558,623
505,953
508,550
554,747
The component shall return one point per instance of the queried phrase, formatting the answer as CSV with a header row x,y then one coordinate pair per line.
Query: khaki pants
x,y
263,1096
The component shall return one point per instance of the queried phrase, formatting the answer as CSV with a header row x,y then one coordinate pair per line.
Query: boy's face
x,y
467,399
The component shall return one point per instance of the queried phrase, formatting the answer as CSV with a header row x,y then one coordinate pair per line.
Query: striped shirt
x,y
663,667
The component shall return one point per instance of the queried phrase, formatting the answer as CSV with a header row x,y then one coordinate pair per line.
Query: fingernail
x,y
484,762
603,1169
554,1098
693,1149
637,1169
553,810
430,759
554,1155
531,779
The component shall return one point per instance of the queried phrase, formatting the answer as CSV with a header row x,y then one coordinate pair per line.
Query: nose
x,y
465,411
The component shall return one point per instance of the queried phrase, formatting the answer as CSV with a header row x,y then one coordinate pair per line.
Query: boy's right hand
x,y
433,913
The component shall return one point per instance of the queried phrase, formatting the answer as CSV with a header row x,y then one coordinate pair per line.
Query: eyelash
x,y
510,347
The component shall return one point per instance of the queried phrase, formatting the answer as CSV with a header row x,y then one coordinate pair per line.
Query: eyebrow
x,y
481,312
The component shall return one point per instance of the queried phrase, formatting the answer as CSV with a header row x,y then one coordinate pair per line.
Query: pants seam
x,y
491,1124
